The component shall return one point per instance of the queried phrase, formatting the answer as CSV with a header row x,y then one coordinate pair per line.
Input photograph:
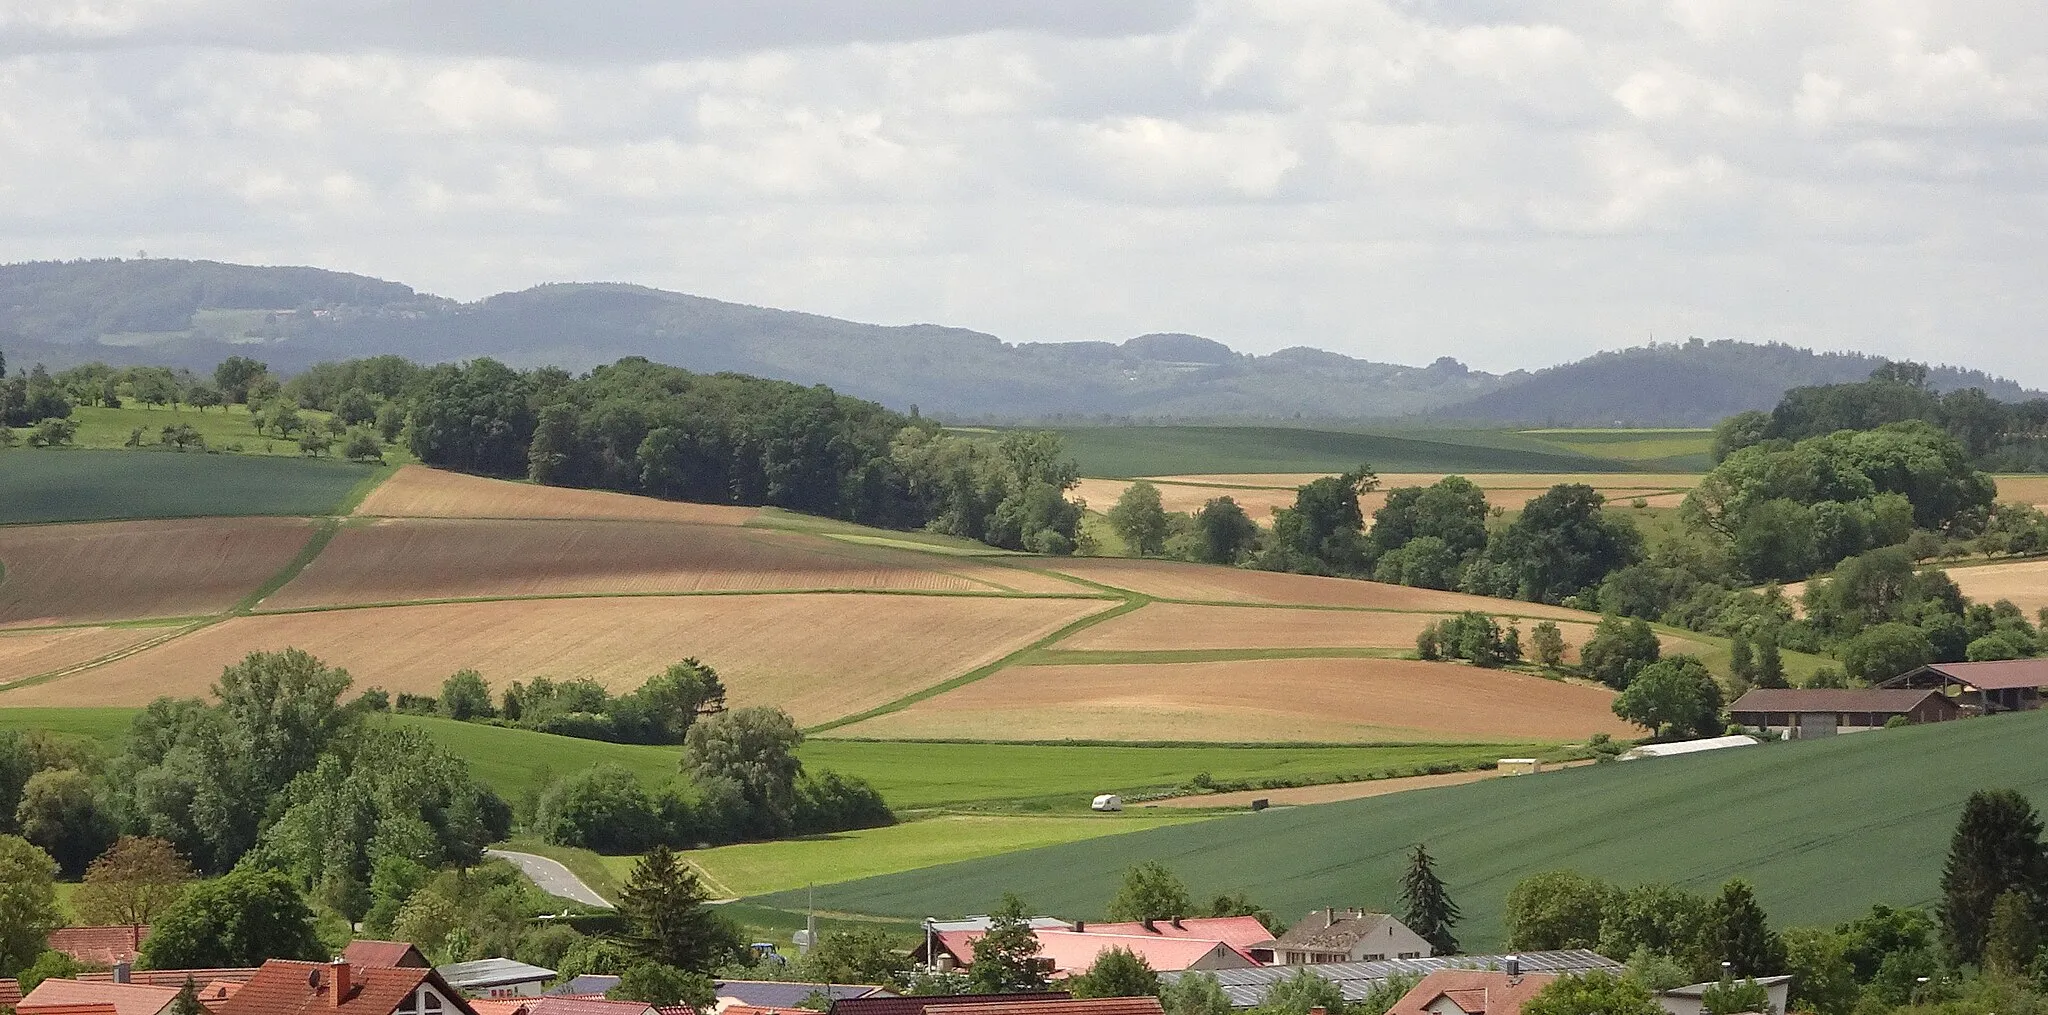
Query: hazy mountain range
x,y
194,313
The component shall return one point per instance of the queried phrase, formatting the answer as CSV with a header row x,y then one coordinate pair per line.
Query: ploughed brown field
x,y
416,491
34,652
1161,626
81,573
1166,579
397,560
1264,700
2025,582
1260,493
817,656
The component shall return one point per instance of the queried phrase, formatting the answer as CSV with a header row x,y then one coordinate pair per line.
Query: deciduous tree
x,y
1556,909
1006,957
1116,972
133,881
1140,520
1594,993
28,902
1150,892
240,919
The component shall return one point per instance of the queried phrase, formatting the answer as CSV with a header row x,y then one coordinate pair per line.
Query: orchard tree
x,y
1546,643
1150,892
133,881
1140,520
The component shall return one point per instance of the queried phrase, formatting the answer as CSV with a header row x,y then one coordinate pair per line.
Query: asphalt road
x,y
552,877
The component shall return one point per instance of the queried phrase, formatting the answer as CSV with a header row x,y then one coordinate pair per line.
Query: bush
x,y
830,802
1618,650
602,808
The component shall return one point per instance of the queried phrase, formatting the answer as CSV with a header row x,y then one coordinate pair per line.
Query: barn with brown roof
x,y
1808,712
2004,685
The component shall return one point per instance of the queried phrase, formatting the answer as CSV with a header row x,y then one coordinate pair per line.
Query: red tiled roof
x,y
365,952
173,977
1243,932
1071,952
102,945
127,998
498,1006
748,1009
286,987
216,992
71,1009
1829,699
585,1006
1074,1006
1474,991
876,1005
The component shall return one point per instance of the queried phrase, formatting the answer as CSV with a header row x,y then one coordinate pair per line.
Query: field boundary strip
x,y
361,491
316,542
1121,657
985,670
683,594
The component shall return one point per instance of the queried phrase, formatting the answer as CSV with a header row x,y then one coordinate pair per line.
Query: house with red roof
x,y
290,987
1071,1006
368,952
1069,952
1471,992
126,998
1244,933
100,945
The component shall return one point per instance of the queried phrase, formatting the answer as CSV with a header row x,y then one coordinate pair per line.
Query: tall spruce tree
x,y
1996,849
663,903
1427,908
1737,932
1770,665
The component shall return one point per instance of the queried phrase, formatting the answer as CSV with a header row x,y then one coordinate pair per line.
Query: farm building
x,y
1471,992
1676,748
1348,935
1691,1000
1247,988
497,978
1804,713
1244,933
2007,685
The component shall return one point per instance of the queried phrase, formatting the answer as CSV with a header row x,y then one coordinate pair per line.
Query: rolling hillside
x,y
1823,829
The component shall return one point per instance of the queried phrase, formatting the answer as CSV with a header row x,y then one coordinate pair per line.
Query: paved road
x,y
552,877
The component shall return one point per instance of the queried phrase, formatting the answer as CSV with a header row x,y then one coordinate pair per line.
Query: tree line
x,y
1997,436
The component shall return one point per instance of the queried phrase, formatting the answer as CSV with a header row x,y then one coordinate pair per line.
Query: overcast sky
x,y
1511,183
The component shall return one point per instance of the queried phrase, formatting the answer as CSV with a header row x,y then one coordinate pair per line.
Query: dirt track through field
x,y
1357,700
32,653
816,656
399,560
69,574
1228,585
416,491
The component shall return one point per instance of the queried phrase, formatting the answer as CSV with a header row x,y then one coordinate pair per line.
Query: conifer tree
x,y
1996,848
1738,933
664,907
1427,908
1741,660
187,1001
1769,666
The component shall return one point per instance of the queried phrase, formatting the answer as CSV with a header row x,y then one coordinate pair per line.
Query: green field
x,y
1124,451
1662,450
74,484
1822,828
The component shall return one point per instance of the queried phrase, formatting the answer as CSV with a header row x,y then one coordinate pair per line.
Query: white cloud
x,y
1509,183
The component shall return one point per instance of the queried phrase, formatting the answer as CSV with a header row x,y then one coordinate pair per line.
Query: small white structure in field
x,y
1687,747
1108,802
1518,766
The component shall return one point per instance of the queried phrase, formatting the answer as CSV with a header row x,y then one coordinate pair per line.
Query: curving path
x,y
552,877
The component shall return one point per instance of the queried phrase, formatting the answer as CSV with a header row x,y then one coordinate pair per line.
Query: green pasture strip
x,y
323,533
519,764
764,924
1121,452
542,596
753,868
1822,828
1088,657
914,775
362,490
106,727
982,671
47,485
136,623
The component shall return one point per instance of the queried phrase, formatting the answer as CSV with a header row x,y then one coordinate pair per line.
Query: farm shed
x,y
2007,685
1348,935
1247,988
1804,713
497,977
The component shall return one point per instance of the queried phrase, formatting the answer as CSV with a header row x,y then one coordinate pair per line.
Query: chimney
x,y
1329,917
1080,926
1514,967
339,972
121,970
1319,1010
1177,925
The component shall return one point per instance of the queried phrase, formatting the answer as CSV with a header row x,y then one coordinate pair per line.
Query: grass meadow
x,y
81,484
1821,828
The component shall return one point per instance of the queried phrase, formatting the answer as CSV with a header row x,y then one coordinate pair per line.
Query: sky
x,y
1510,183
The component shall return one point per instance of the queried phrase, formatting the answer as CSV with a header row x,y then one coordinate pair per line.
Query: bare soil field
x,y
31,653
1269,700
400,560
2025,582
68,574
1181,626
2028,489
817,656
1537,481
1168,579
416,491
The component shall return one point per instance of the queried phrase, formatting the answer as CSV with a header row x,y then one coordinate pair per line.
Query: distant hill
x,y
1697,382
194,313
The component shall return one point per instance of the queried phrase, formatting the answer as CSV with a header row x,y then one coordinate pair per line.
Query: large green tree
x,y
1140,520
1561,545
1116,972
1675,697
1006,957
239,919
753,750
1323,533
664,906
1618,650
1150,891
1426,905
28,902
1735,930
59,812
1595,993
1556,909
1225,533
133,881
1996,848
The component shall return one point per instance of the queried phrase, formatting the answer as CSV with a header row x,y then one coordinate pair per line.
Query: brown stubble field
x,y
2025,582
416,491
80,573
1341,700
1260,493
817,656
1165,579
28,653
399,560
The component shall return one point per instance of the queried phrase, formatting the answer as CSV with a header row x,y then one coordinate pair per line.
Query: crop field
x,y
2025,582
2026,489
1125,451
1259,503
70,484
1821,828
397,560
1686,447
1186,627
1356,700
28,653
69,574
416,491
1165,579
1260,493
854,651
